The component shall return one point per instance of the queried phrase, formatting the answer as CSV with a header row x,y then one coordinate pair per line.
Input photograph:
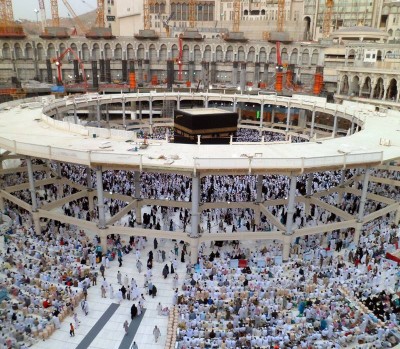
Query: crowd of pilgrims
x,y
41,279
222,307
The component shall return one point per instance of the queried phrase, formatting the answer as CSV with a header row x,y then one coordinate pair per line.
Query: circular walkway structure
x,y
31,130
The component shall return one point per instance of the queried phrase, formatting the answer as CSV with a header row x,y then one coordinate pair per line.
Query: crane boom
x,y
81,26
100,14
281,15
327,18
43,14
146,14
54,13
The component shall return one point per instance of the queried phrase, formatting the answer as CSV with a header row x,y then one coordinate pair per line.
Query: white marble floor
x,y
113,332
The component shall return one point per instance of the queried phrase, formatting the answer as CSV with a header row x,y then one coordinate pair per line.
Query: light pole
x,y
37,16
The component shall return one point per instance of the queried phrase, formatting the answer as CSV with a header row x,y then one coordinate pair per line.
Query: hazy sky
x,y
24,9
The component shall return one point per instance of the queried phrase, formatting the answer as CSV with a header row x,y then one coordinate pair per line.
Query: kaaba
x,y
215,126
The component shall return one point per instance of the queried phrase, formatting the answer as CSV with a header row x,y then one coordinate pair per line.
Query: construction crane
x,y
192,13
54,13
58,62
166,23
279,69
43,14
236,16
281,15
100,23
8,27
326,27
81,26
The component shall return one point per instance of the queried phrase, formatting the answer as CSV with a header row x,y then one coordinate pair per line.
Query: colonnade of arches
x,y
375,87
161,51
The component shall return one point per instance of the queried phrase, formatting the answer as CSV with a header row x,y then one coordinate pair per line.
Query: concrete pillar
x,y
123,112
265,74
151,115
397,216
36,223
352,126
256,78
213,72
261,114
32,184
138,198
312,123
309,183
363,196
243,77
100,198
288,118
191,71
259,186
234,105
290,207
234,73
140,72
286,248
147,73
334,126
194,250
205,67
272,115
205,102
302,119
341,185
357,232
75,115
195,219
98,113
2,206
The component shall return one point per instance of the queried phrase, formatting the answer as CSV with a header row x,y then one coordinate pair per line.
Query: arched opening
x,y
96,52
391,92
263,55
185,53
85,53
307,27
107,51
197,54
207,54
251,56
129,51
18,51
272,55
28,51
397,34
314,57
175,52
378,89
245,12
163,53
140,52
152,53
305,57
294,56
390,32
40,52
51,51
219,55
118,52
241,54
229,54
74,48
366,87
6,51
262,12
344,85
355,86
61,49
284,56
379,56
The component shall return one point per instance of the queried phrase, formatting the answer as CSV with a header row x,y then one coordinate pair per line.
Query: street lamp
x,y
37,16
